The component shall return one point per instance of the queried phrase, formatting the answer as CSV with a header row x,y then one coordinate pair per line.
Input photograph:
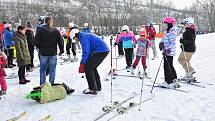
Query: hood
x,y
194,27
46,28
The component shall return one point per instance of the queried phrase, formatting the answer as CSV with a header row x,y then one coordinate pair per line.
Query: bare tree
x,y
209,8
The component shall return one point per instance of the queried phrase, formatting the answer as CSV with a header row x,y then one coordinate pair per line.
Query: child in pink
x,y
142,50
3,83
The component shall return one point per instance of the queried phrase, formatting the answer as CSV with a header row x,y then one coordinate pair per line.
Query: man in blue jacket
x,y
9,44
94,51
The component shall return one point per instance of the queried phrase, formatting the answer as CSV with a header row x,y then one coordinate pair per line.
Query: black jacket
x,y
47,39
188,40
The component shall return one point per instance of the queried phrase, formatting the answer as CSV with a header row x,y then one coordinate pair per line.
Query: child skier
x,y
142,51
3,83
188,46
168,47
128,39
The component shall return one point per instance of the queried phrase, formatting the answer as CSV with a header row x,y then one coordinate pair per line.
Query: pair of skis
x,y
131,105
118,106
23,114
108,109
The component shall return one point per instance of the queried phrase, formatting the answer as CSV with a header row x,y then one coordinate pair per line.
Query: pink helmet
x,y
169,20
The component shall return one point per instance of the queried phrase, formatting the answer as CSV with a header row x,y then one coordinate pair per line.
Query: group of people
x,y
167,45
94,50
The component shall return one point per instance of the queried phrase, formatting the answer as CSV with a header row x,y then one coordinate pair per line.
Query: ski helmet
x,y
169,20
41,20
143,33
189,20
125,28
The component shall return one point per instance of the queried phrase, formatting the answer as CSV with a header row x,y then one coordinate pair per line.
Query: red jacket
x,y
150,32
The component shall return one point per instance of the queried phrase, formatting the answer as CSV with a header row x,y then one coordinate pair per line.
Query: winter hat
x,y
148,21
86,24
28,24
71,24
7,25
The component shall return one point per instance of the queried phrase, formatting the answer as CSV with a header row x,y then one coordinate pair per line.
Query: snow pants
x,y
184,59
169,70
3,83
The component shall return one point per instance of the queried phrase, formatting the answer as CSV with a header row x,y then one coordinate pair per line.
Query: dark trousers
x,y
129,56
21,73
68,46
92,75
169,70
31,51
9,53
120,49
74,49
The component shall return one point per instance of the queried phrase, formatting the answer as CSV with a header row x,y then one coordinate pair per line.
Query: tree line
x,y
106,17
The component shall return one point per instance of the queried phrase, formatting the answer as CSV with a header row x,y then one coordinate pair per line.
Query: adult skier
x,y
94,51
188,46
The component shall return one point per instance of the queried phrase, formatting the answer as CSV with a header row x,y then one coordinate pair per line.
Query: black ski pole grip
x,y
111,40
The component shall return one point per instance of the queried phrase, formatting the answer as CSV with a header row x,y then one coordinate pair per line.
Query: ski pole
x,y
141,90
157,74
185,57
116,58
111,65
143,76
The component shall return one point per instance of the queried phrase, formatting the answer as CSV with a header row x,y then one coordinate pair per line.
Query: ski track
x,y
168,105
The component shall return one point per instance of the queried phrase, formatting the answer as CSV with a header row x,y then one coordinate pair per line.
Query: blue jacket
x,y
87,30
8,36
90,44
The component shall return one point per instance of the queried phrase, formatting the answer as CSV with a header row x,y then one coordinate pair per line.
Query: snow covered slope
x,y
168,105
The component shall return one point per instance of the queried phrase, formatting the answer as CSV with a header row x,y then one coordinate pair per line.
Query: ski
x,y
17,117
175,89
129,76
46,118
108,109
122,110
192,80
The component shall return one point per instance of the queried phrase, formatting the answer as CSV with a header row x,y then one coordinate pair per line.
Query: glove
x,y
161,46
81,68
153,36
181,40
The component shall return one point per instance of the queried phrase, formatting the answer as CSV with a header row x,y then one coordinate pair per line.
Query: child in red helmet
x,y
142,51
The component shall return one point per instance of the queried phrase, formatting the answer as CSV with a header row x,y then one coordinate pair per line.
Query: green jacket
x,y
22,52
50,93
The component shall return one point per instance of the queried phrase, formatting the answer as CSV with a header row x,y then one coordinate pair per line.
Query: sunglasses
x,y
142,35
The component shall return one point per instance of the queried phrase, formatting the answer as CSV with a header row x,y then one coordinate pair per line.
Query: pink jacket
x,y
2,65
125,35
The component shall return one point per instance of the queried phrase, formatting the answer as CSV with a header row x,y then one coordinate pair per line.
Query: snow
x,y
168,105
